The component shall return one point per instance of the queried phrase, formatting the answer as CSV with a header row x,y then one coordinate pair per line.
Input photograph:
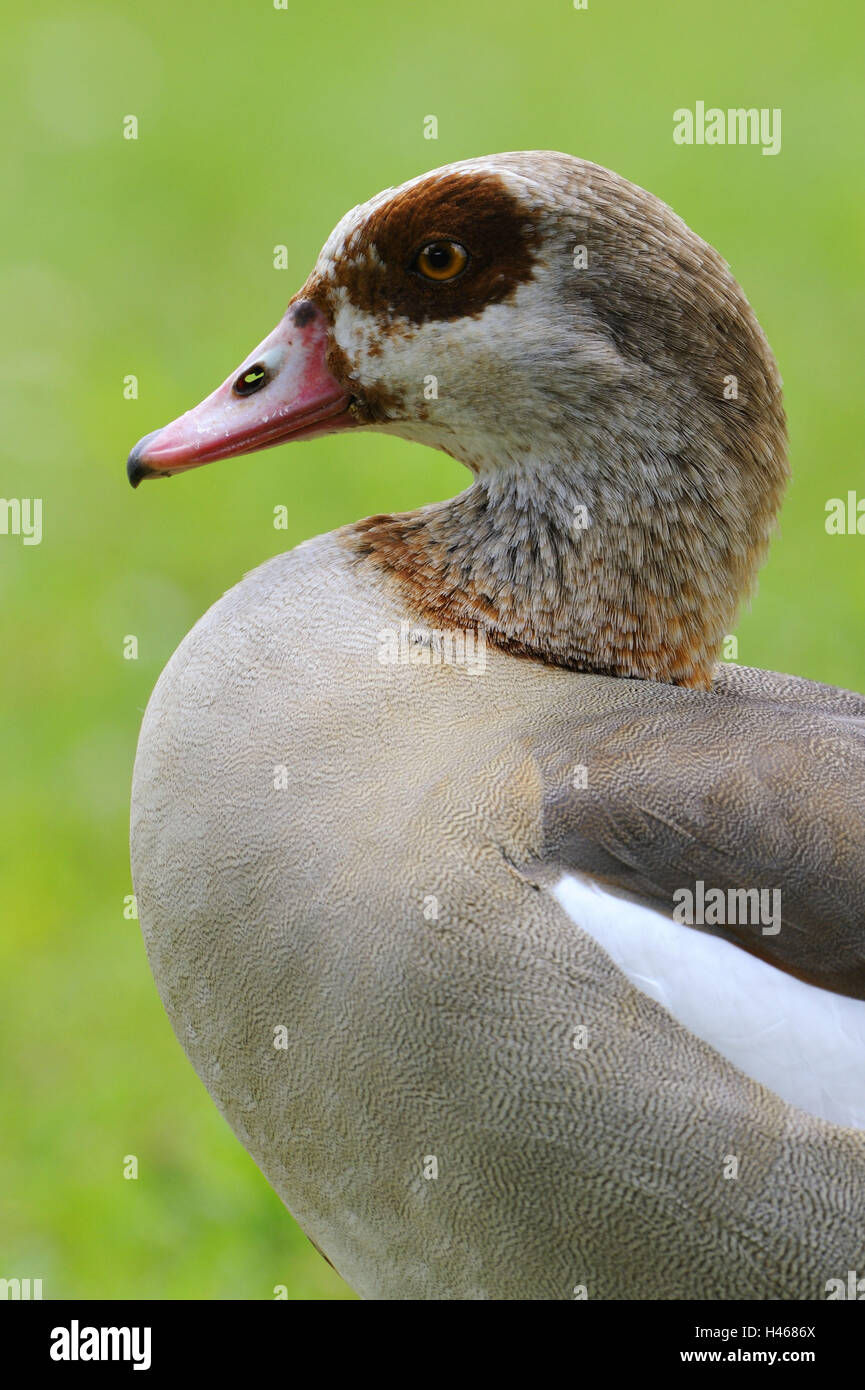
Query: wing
x,y
758,784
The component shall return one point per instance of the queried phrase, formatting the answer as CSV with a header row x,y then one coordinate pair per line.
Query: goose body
x,y
413,802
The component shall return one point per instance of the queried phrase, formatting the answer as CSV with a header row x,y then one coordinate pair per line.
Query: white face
x,y
492,365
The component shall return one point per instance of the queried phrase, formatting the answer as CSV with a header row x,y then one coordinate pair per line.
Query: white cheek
x,y
378,355
469,384
361,337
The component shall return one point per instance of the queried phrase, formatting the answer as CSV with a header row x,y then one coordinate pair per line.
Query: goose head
x,y
592,362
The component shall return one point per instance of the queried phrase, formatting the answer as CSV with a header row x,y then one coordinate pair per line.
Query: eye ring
x,y
440,260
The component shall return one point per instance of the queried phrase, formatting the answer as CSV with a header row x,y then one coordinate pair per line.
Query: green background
x,y
154,257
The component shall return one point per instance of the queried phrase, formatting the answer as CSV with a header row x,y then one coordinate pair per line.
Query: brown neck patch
x,y
500,232
568,600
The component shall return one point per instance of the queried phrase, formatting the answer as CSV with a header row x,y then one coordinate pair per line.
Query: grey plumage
x,y
449,1037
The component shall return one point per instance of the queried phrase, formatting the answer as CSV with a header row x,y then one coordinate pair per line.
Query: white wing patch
x,y
806,1044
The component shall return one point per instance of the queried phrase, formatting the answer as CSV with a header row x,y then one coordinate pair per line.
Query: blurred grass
x,y
154,257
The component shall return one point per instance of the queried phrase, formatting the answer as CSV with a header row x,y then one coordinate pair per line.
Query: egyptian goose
x,y
522,946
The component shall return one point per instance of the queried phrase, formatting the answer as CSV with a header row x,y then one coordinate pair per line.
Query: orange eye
x,y
441,260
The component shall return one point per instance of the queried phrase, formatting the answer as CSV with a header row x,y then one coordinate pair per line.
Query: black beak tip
x,y
136,468
135,471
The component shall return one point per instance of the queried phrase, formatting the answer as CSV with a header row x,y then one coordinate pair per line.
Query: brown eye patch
x,y
497,233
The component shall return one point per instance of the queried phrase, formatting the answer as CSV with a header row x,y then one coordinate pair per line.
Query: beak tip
x,y
136,468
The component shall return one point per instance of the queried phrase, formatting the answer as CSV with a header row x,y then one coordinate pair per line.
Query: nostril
x,y
251,380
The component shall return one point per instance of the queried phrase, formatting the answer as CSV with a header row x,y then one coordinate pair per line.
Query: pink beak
x,y
283,391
